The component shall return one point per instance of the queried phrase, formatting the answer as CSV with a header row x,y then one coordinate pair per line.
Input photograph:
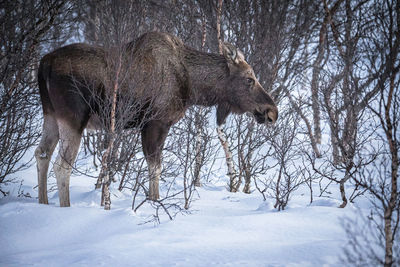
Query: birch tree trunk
x,y
105,173
388,122
219,11
316,70
234,183
198,119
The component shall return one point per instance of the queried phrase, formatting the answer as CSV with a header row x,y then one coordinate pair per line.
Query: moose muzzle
x,y
268,114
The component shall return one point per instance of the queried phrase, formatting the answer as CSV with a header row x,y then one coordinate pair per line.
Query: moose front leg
x,y
154,179
153,138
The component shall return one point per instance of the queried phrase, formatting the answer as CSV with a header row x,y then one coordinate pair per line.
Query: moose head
x,y
245,93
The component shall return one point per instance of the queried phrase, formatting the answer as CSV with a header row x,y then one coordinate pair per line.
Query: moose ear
x,y
231,53
223,111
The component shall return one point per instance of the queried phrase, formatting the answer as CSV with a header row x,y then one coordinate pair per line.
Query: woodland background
x,y
333,67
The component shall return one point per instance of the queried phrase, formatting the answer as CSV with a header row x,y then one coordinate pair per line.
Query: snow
x,y
222,229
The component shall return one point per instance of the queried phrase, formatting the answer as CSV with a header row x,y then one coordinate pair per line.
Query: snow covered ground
x,y
223,229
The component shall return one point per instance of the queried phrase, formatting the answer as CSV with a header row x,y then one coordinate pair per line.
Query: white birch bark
x,y
233,177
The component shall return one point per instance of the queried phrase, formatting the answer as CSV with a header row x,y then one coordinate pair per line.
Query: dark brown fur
x,y
163,69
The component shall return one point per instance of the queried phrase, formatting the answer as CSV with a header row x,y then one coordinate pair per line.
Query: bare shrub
x,y
27,26
282,165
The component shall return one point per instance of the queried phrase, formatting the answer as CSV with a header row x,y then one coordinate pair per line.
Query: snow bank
x,y
223,229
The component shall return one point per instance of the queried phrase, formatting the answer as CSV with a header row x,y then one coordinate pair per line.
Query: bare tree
x,y
201,117
345,87
27,26
278,60
113,25
233,177
380,178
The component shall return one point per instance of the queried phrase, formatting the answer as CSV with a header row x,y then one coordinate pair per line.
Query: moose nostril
x,y
271,116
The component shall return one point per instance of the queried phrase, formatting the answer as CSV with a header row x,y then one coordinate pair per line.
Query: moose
x,y
162,66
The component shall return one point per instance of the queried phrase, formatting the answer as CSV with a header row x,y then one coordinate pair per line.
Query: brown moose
x,y
175,75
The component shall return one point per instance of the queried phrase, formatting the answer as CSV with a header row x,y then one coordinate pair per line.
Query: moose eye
x,y
250,81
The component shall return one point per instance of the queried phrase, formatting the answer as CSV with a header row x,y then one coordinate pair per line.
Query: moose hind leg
x,y
69,145
43,154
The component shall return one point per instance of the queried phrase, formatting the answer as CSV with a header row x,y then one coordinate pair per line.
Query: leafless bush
x,y
26,27
380,178
18,133
250,148
365,240
182,154
205,150
178,172
113,25
372,239
282,166
115,109
279,61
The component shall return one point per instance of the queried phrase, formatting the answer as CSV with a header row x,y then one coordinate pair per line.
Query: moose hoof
x,y
154,197
43,201
65,203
